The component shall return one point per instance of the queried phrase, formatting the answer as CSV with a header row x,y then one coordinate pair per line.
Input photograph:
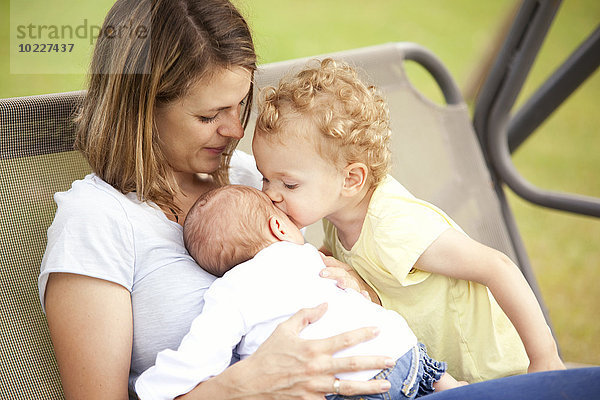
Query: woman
x,y
168,99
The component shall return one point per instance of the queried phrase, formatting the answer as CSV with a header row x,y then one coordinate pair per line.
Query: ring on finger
x,y
336,386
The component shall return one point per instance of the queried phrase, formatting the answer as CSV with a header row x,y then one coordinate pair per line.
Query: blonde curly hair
x,y
353,118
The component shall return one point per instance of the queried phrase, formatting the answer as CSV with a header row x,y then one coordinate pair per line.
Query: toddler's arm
x,y
456,255
347,277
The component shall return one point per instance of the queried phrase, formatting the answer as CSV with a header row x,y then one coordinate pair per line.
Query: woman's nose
x,y
232,126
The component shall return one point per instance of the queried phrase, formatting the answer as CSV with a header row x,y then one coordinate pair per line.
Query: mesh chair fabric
x,y
36,134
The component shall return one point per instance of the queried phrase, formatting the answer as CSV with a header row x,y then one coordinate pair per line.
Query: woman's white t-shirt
x,y
102,233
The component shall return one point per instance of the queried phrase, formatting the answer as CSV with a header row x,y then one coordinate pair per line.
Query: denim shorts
x,y
413,376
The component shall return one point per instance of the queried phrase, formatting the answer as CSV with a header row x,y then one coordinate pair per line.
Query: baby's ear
x,y
355,178
278,228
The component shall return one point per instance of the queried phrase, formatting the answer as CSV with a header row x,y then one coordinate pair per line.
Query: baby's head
x,y
229,225
327,120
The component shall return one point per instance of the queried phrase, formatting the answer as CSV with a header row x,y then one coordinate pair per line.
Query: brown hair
x,y
353,118
132,74
227,226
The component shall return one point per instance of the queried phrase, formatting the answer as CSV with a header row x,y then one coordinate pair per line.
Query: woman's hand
x,y
286,367
346,277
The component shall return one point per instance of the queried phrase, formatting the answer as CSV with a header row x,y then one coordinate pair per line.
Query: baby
x,y
267,273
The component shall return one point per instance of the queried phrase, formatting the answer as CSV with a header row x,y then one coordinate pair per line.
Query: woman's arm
x,y
90,324
286,367
456,255
91,328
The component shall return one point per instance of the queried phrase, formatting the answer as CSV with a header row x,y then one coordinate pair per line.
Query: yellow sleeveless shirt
x,y
459,321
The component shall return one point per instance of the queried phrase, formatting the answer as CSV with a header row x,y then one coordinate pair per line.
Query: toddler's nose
x,y
274,195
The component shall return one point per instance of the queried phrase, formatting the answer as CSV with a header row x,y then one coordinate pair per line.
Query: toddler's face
x,y
297,179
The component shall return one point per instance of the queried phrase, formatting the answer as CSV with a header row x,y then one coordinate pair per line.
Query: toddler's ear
x,y
355,178
278,228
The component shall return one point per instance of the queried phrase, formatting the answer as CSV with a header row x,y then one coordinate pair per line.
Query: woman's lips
x,y
215,150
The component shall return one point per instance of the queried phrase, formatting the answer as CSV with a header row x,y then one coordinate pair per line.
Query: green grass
x,y
563,155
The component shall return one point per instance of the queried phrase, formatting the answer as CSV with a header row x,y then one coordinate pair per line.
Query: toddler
x,y
321,143
267,273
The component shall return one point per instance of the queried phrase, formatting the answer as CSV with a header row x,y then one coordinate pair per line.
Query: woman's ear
x,y
355,178
278,228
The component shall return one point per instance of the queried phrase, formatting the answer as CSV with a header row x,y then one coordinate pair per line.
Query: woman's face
x,y
195,130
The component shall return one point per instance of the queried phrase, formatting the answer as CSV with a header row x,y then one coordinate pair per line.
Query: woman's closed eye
x,y
208,120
